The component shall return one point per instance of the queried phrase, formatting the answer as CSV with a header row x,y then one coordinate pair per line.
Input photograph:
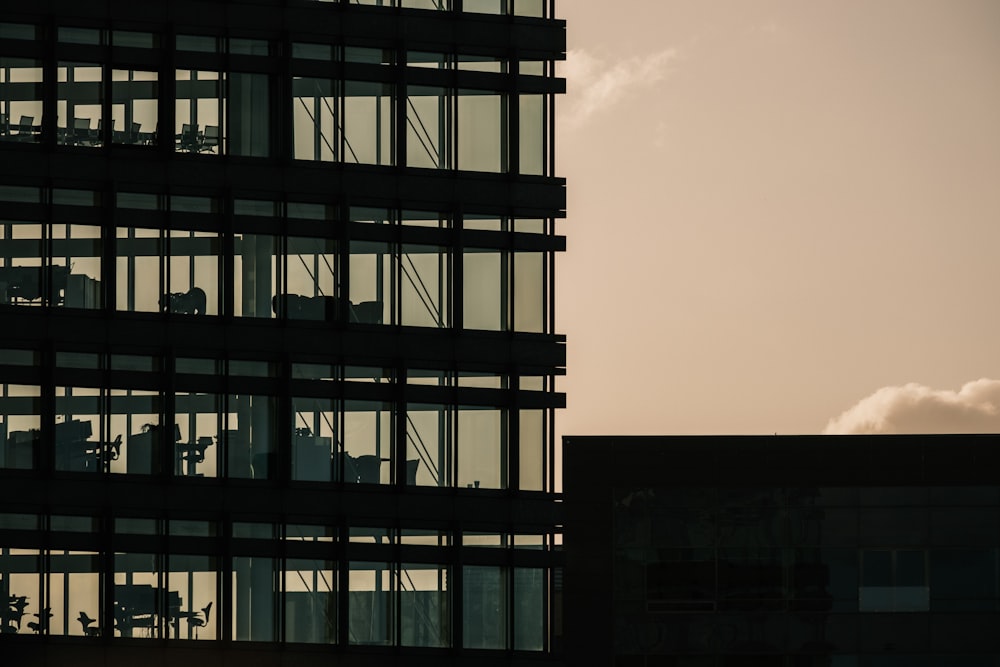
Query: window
x,y
79,108
200,108
20,424
134,107
20,99
894,580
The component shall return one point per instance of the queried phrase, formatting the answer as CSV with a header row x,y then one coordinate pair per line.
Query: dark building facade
x,y
277,358
846,551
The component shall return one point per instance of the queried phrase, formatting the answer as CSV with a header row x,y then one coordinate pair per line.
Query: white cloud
x,y
914,408
594,85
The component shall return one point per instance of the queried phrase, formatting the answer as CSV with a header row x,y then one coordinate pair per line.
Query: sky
x,y
783,216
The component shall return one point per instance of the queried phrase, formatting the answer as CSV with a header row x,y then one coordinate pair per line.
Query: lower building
x,y
850,551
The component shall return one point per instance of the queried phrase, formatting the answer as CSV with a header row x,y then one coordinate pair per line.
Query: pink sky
x,y
778,208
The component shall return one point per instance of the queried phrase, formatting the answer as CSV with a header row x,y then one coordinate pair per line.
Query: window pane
x,y
199,419
74,593
428,120
484,612
310,601
134,107
314,119
368,123
78,429
424,610
76,266
311,292
191,586
424,288
484,290
531,140
428,445
529,609
137,266
81,95
249,436
482,131
21,102
532,450
367,442
200,109
139,600
20,424
249,115
529,291
484,6
193,273
370,604
313,439
255,595
482,451
134,431
372,288
256,272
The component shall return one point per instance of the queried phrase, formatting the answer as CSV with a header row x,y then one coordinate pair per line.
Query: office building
x,y
790,551
277,358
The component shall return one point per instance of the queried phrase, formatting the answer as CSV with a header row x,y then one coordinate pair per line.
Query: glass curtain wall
x,y
20,425
200,109
79,109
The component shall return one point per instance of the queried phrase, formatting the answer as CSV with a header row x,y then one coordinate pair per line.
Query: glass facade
x,y
278,285
897,569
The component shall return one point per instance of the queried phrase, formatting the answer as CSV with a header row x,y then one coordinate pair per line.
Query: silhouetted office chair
x,y
86,622
26,128
4,123
197,622
210,141
188,139
367,468
81,131
134,134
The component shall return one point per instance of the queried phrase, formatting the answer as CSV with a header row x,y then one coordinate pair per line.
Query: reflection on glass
x,y
249,130
249,436
424,609
20,99
79,107
484,601
74,593
255,279
310,601
20,424
20,580
21,273
255,596
370,604
199,110
529,608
